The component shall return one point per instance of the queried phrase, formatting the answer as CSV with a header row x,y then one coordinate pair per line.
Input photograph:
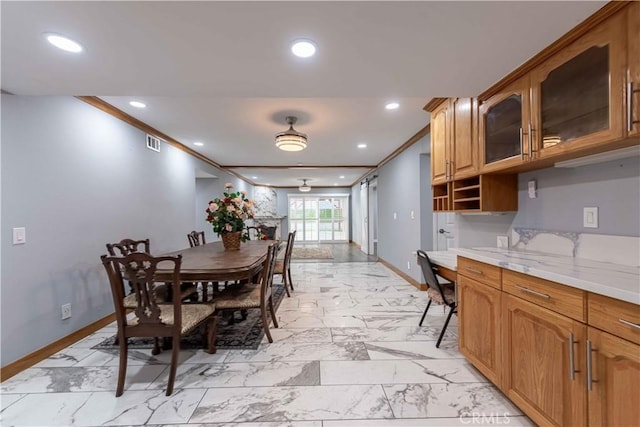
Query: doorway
x,y
444,227
319,218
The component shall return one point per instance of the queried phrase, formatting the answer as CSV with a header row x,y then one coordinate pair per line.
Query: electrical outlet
x,y
66,311
503,242
408,265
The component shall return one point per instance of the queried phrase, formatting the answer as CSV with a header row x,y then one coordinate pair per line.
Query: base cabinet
x,y
543,367
614,380
564,356
479,326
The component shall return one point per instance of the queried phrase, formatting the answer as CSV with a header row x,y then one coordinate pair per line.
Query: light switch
x,y
533,188
413,215
590,218
395,215
19,236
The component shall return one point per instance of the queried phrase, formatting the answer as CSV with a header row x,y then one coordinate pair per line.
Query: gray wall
x,y
400,191
426,204
78,178
613,187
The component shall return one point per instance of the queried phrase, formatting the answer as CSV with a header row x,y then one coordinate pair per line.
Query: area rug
x,y
310,252
240,335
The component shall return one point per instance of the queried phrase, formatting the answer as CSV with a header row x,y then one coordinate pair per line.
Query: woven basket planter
x,y
231,241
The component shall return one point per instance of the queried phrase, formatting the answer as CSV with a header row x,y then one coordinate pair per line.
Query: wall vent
x,y
153,143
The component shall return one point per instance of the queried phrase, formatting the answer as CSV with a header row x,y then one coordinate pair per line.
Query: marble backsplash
x,y
598,247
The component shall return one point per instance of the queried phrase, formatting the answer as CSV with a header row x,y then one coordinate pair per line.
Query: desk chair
x,y
440,290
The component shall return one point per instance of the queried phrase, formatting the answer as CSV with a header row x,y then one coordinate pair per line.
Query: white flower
x,y
228,185
228,227
230,208
213,207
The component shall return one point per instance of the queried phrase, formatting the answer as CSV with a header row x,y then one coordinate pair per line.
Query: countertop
x,y
446,259
613,280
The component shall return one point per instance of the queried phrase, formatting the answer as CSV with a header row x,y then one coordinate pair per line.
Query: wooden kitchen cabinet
x,y
503,128
440,144
613,370
577,94
463,150
453,146
479,326
543,365
632,101
565,356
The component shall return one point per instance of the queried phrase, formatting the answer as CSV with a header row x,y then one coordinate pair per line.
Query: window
x,y
321,218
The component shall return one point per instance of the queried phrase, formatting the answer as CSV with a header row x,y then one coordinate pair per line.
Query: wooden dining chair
x,y
124,247
253,295
270,232
196,238
153,318
440,290
283,266
252,232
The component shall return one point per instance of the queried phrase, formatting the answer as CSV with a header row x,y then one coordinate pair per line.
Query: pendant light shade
x,y
305,188
291,139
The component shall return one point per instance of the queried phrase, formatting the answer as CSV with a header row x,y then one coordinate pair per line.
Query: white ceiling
x,y
221,72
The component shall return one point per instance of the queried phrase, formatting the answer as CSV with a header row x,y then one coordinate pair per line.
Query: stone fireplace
x,y
266,209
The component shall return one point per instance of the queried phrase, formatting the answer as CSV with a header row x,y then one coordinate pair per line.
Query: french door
x,y
319,218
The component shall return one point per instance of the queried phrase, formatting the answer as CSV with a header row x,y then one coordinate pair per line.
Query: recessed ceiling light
x,y
392,106
362,145
335,183
137,104
64,43
341,176
303,48
254,177
199,144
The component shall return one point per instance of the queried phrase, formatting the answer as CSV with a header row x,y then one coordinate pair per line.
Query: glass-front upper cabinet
x,y
577,95
504,123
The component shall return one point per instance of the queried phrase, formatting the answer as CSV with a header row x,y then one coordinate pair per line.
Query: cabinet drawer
x,y
485,273
562,299
615,316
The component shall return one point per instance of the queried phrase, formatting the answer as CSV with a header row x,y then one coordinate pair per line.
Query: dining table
x,y
212,263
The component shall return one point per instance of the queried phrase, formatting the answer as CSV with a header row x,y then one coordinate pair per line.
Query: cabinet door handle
x,y
530,141
630,93
629,106
626,322
446,170
572,358
521,150
590,379
473,270
531,291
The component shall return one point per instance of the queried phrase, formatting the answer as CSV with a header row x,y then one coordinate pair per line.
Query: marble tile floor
x,y
349,352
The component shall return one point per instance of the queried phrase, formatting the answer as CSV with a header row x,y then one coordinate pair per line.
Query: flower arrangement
x,y
228,214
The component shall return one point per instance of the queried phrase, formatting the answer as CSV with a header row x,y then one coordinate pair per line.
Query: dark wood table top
x,y
211,262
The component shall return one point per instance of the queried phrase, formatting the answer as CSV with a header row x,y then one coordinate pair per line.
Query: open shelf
x,y
441,199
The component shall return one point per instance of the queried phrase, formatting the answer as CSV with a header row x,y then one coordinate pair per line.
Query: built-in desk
x,y
446,262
